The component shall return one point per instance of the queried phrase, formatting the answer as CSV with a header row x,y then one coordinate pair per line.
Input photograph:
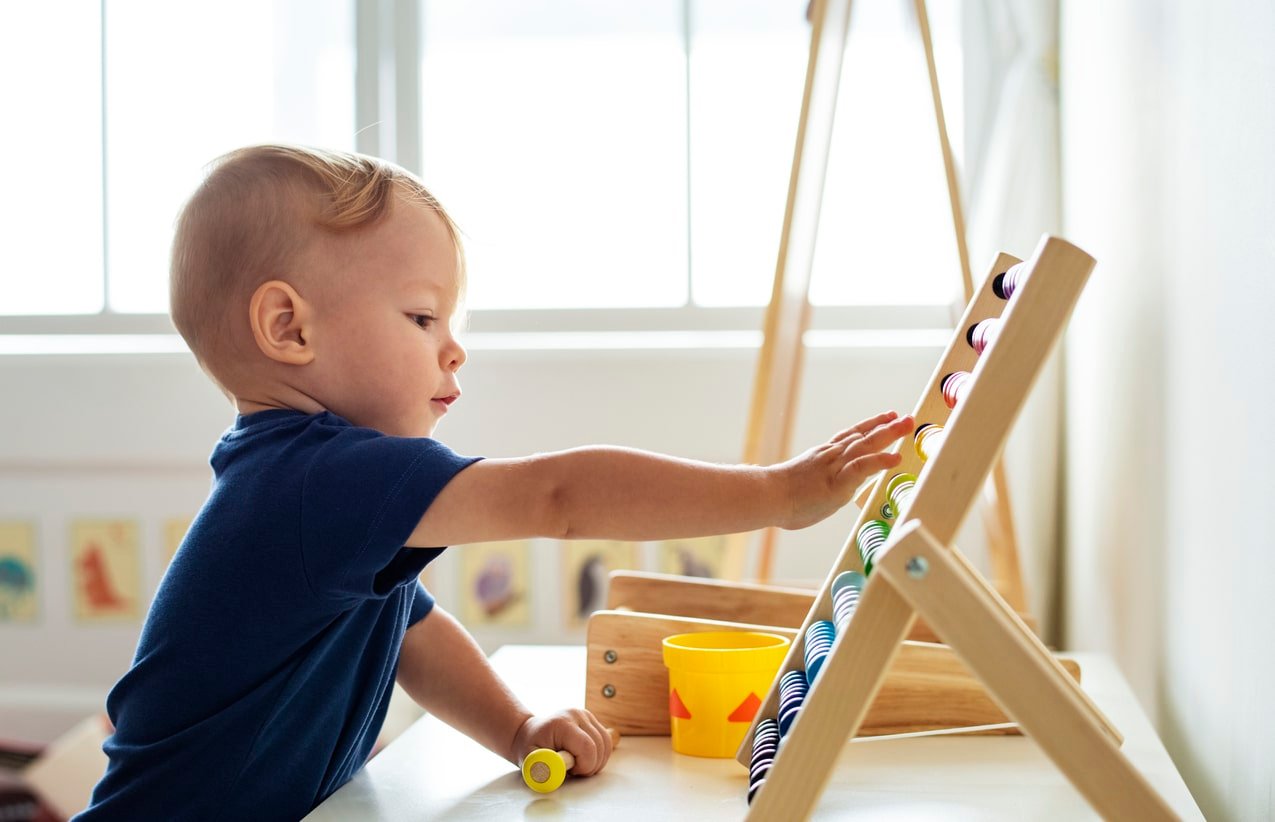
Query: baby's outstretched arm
x,y
445,672
620,493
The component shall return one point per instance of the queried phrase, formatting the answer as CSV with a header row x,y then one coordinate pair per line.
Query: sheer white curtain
x,y
1012,174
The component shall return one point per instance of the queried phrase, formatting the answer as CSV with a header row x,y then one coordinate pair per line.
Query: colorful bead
x,y
871,537
1004,285
928,439
846,590
793,687
900,490
819,638
954,387
982,334
765,747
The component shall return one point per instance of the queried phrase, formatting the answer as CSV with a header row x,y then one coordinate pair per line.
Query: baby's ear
x,y
281,320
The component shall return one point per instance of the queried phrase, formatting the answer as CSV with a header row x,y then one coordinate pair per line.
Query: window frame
x,y
387,94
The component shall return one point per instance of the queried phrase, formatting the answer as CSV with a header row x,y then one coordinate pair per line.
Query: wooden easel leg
x,y
1020,673
832,713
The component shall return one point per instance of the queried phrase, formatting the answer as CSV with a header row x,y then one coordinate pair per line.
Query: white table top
x,y
434,772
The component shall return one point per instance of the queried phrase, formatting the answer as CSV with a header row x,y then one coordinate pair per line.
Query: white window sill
x,y
25,345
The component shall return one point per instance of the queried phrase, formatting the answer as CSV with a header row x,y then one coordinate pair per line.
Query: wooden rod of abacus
x,y
1021,673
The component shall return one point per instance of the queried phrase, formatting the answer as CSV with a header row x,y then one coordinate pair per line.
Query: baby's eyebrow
x,y
429,289
423,292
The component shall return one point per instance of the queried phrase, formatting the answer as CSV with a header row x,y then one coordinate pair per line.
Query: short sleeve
x,y
422,604
363,495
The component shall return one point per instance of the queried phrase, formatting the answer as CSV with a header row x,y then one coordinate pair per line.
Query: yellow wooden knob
x,y
544,770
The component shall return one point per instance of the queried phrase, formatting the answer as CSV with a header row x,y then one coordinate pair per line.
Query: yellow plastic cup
x,y
717,680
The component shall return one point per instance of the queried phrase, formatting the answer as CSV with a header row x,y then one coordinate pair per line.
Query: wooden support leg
x,y
1020,673
1013,622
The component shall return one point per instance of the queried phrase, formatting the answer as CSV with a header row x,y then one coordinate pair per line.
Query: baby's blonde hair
x,y
256,211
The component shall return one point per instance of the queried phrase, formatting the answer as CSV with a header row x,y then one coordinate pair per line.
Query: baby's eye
x,y
422,320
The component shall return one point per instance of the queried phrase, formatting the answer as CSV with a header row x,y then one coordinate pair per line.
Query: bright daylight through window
x,y
596,153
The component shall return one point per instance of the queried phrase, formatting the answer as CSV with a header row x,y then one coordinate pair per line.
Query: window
x,y
52,142
243,72
596,153
158,89
555,131
583,134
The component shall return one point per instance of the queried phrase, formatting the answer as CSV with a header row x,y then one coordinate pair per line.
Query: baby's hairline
x,y
309,203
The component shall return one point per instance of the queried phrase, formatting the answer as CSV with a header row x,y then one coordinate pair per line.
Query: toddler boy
x,y
319,290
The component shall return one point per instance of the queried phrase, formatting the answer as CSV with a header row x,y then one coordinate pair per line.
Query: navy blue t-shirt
x,y
266,663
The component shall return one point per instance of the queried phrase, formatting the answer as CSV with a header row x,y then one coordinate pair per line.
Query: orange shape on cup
x,y
676,707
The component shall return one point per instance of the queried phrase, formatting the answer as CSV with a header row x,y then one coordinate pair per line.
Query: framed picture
x,y
106,570
494,583
585,567
704,557
19,592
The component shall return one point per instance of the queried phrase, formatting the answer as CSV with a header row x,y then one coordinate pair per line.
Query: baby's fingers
x,y
856,469
881,436
602,737
865,426
582,745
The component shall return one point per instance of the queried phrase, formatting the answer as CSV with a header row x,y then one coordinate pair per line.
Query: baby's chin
x,y
411,427
419,427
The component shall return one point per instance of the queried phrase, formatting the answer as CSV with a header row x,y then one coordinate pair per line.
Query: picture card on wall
x,y
586,564
494,583
703,557
106,570
19,592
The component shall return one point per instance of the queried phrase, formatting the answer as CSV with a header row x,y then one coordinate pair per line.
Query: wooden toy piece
x,y
927,688
544,770
749,604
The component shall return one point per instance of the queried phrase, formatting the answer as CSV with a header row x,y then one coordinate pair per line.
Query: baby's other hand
x,y
574,730
820,481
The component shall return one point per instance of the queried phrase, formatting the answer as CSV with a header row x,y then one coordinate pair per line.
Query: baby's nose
x,y
454,357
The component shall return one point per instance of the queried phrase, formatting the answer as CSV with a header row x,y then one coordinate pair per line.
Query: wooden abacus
x,y
918,572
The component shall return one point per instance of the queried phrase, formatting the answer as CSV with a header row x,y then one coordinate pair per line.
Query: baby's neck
x,y
294,402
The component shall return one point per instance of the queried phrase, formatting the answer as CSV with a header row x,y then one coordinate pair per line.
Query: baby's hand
x,y
822,480
574,730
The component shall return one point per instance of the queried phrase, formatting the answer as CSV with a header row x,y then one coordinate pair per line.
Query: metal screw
x,y
917,567
610,657
608,691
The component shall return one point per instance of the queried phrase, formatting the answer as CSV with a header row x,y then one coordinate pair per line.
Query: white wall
x,y
129,435
1169,180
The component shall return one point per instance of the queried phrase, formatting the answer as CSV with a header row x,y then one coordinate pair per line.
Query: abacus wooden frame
x,y
920,572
